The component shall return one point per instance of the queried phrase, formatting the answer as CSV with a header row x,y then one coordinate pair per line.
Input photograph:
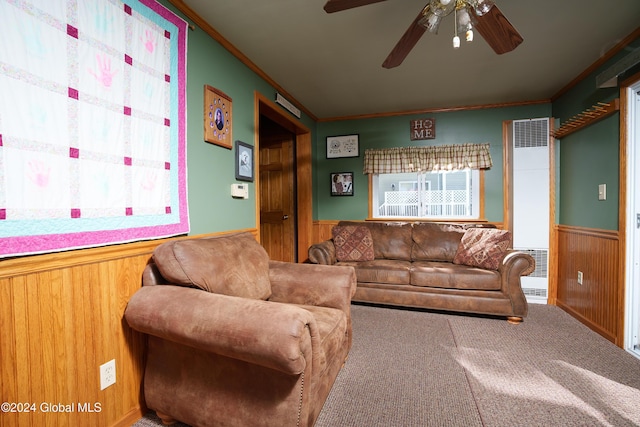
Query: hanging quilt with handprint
x,y
92,124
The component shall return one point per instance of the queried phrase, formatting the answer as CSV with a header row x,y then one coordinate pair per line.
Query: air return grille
x,y
531,133
541,258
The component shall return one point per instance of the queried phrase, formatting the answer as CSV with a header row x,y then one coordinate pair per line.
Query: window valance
x,y
427,159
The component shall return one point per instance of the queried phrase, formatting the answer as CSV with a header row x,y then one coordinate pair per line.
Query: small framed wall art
x,y
342,183
343,146
244,161
217,117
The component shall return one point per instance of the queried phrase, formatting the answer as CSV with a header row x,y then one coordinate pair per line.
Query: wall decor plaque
x,y
343,146
217,117
423,129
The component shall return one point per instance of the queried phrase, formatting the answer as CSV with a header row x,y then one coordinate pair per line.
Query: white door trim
x,y
632,279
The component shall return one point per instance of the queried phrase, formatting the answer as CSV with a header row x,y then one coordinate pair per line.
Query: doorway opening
x,y
267,113
278,187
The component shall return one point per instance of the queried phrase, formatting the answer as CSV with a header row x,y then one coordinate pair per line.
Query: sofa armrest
x,y
517,263
277,336
323,253
514,265
308,284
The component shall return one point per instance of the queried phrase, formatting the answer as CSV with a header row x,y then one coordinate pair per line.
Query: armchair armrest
x,y
270,334
323,253
308,284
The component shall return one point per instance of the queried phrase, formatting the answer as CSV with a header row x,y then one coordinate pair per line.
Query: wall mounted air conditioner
x,y
531,202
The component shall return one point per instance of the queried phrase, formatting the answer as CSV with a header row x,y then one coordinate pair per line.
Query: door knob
x,y
285,217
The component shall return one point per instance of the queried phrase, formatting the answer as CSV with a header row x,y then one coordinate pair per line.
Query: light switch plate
x,y
602,192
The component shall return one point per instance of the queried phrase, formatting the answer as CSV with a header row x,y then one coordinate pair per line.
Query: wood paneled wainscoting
x,y
62,317
322,230
597,302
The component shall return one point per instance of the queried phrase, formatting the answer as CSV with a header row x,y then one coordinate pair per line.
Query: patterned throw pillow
x,y
483,247
353,243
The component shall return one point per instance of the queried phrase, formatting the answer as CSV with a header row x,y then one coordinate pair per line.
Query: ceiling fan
x,y
481,15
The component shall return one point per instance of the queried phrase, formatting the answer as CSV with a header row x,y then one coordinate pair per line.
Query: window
x,y
443,194
443,181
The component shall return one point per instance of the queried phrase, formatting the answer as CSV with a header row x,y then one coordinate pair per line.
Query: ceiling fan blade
x,y
405,44
339,5
496,29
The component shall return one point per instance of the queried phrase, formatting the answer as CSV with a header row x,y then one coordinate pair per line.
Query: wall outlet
x,y
107,374
580,277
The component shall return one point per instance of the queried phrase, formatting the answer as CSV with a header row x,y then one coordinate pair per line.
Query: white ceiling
x,y
331,64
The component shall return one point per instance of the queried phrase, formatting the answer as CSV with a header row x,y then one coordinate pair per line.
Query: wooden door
x,y
277,192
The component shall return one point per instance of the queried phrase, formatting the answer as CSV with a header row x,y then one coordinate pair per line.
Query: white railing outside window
x,y
442,203
443,194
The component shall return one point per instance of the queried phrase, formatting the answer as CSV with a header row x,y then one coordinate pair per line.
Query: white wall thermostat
x,y
240,191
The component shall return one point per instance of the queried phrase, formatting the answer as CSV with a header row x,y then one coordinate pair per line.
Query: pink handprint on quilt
x,y
149,181
104,75
149,42
39,173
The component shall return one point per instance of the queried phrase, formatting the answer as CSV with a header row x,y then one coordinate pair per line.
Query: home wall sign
x,y
423,129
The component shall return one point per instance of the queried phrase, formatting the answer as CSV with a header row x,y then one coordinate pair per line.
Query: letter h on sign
x,y
423,129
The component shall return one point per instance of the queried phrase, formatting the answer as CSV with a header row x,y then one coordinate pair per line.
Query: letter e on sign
x,y
423,129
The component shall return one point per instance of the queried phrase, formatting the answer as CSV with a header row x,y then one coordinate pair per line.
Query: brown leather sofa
x,y
235,339
412,265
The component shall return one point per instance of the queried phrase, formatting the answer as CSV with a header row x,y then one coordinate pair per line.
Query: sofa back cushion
x,y
483,247
352,243
233,264
435,242
391,240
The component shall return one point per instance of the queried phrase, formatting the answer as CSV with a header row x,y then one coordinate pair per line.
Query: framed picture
x,y
342,183
217,117
343,146
244,161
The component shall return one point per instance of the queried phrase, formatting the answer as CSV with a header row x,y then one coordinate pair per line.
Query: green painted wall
x,y
585,159
589,157
211,168
475,126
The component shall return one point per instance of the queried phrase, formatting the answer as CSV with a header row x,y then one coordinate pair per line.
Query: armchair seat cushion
x,y
332,327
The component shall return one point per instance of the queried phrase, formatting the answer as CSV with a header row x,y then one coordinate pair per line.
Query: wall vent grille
x,y
531,133
541,257
535,292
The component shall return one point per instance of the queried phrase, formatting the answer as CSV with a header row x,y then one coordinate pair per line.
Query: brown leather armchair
x,y
235,339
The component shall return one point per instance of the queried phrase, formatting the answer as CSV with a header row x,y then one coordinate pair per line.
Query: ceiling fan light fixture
x,y
482,6
430,21
456,42
463,20
442,7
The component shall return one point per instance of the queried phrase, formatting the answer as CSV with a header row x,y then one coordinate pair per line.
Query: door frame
x,y
629,242
303,172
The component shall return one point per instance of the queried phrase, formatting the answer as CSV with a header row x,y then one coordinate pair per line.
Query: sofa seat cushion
x,y
382,271
448,275
332,327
